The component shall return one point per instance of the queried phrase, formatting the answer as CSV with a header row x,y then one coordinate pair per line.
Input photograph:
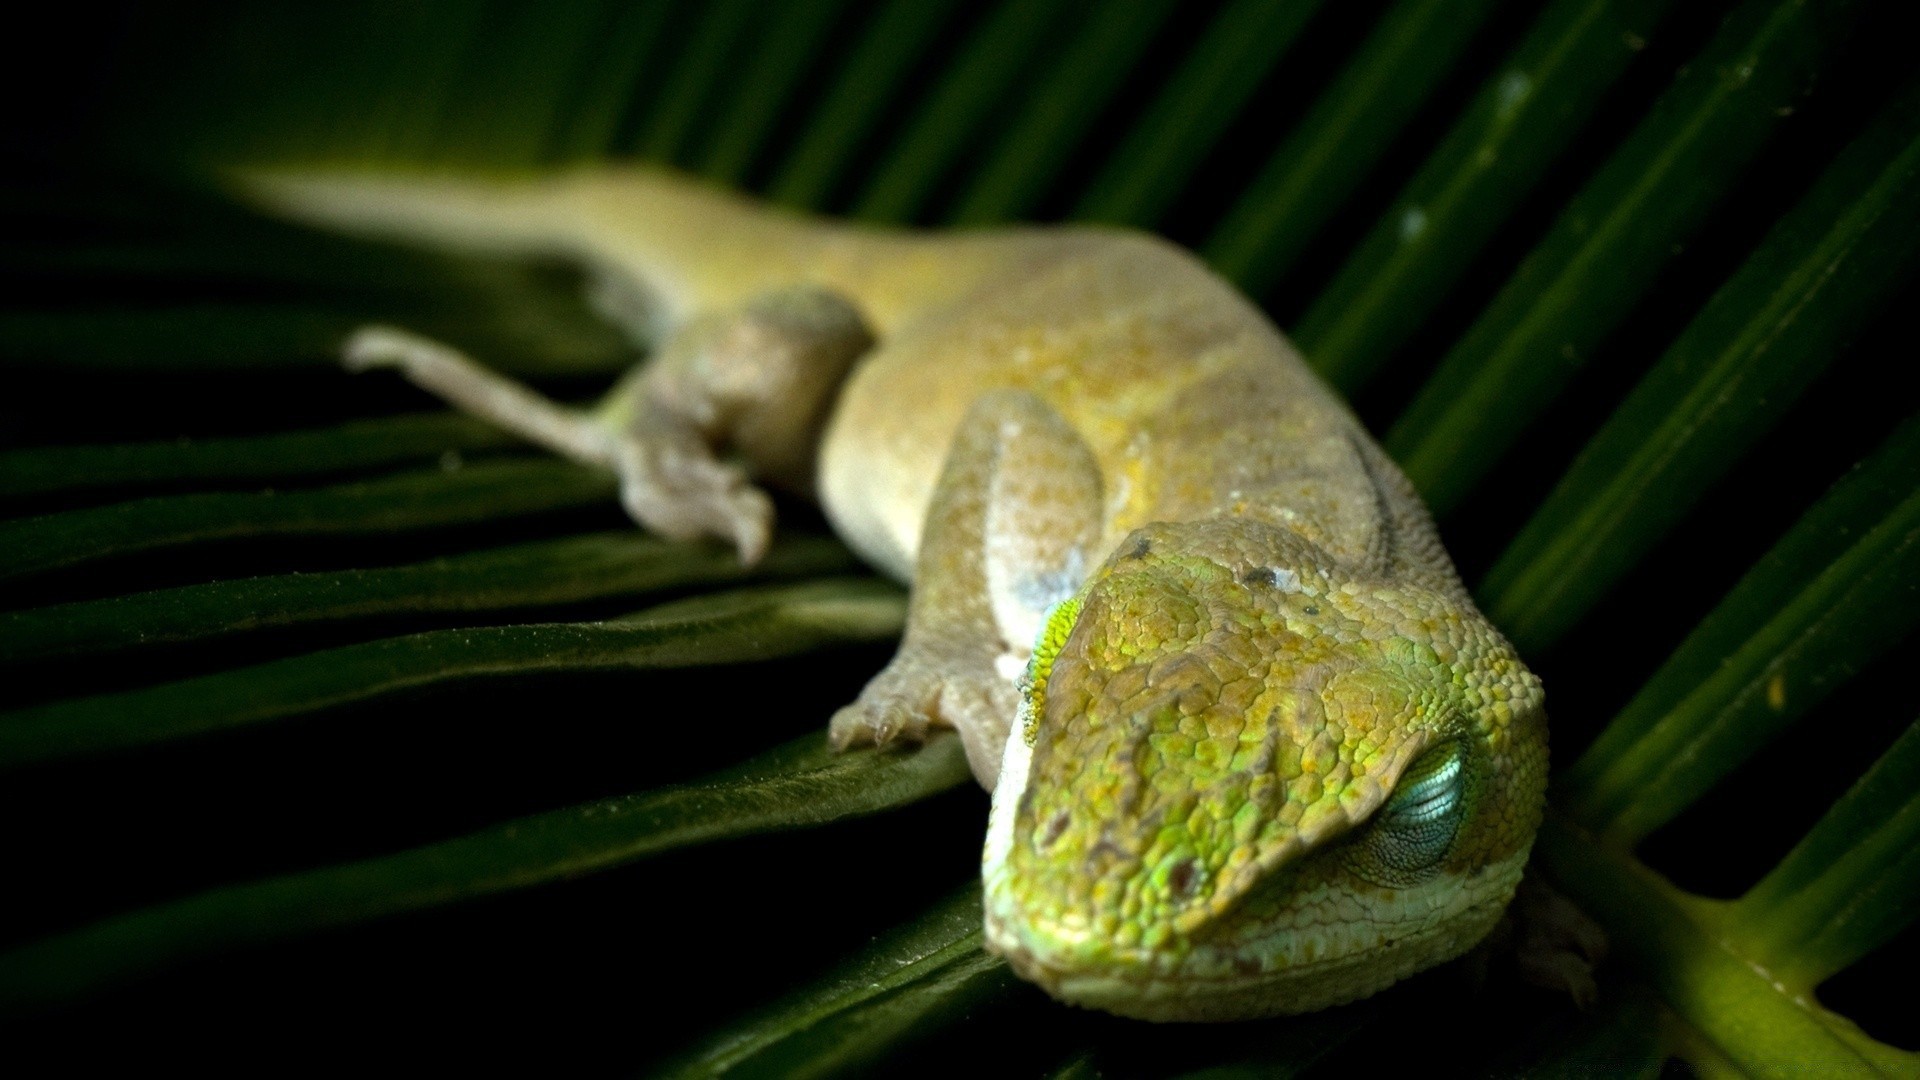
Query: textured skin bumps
x,y
1266,756
1227,712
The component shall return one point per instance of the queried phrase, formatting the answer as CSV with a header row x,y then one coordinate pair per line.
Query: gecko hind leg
x,y
670,481
1011,530
752,384
457,379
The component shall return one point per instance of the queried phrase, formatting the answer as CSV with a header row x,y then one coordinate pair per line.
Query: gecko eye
x,y
1415,829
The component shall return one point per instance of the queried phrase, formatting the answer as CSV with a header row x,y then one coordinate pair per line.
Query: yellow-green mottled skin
x,y
1210,741
1247,629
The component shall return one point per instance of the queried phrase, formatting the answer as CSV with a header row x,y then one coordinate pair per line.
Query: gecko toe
x,y
750,521
1558,945
880,720
377,346
923,691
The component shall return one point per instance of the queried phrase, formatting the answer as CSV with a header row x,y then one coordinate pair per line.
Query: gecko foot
x,y
1557,945
682,493
915,696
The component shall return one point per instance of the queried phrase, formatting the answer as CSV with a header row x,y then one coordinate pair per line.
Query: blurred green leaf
x,y
1849,885
791,35
1762,339
1052,119
725,628
1166,147
1311,174
1525,116
923,973
1679,942
511,82
487,491
947,125
591,567
1433,148
1603,252
798,785
882,59
698,72
358,446
1835,592
587,127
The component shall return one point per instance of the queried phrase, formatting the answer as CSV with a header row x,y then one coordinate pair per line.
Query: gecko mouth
x,y
1213,983
1145,985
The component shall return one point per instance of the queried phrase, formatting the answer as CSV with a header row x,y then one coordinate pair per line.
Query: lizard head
x,y
1247,781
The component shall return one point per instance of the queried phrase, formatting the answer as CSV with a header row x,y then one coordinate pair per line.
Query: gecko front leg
x,y
753,384
1012,530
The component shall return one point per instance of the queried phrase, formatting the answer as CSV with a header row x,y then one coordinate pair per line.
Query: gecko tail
x,y
684,245
687,245
504,215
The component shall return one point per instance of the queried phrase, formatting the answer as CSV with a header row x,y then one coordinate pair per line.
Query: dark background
x,y
104,138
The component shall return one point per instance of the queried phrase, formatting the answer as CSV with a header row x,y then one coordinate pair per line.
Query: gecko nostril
x,y
1182,878
1055,827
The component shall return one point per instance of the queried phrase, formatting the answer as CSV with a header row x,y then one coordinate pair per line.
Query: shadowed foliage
x,y
333,720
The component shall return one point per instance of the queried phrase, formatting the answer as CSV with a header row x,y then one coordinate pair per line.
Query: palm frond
x,y
290,662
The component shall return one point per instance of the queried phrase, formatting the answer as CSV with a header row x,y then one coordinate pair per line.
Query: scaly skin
x,y
1265,755
1227,712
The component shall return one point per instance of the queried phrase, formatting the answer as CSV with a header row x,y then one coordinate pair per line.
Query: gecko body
x,y
1252,748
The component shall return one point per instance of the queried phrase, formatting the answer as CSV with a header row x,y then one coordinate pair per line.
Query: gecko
x,y
1252,749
